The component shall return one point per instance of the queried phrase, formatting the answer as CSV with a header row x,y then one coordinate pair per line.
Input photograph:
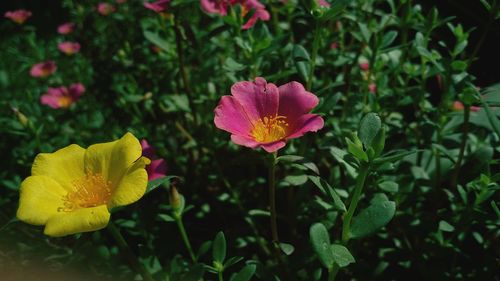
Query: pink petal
x,y
214,7
245,141
76,90
261,14
259,99
273,146
295,101
230,116
147,150
50,100
306,123
157,169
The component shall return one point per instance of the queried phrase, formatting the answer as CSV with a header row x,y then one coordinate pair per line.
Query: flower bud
x,y
175,198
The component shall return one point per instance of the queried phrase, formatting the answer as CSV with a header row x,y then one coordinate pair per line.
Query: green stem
x,y
332,273
360,183
463,144
128,253
272,198
221,278
314,54
185,238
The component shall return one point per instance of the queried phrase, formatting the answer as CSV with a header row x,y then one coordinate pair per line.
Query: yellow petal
x,y
64,165
113,159
40,198
80,220
132,186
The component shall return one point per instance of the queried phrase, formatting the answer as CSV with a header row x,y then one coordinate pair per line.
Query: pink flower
x,y
372,88
69,48
157,6
105,8
457,106
43,69
259,114
323,3
62,97
220,7
475,108
66,28
365,66
18,16
158,167
334,46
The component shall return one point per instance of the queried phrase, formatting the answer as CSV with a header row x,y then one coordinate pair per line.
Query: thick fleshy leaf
x,y
306,123
64,166
259,98
40,198
320,240
113,159
230,116
80,220
295,101
132,185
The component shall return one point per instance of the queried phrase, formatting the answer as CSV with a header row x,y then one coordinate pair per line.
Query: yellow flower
x,y
73,189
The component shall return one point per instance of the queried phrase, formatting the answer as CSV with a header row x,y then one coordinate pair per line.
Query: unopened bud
x,y
21,117
175,198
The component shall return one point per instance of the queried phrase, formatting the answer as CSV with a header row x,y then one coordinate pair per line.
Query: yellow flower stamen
x,y
91,191
269,129
65,101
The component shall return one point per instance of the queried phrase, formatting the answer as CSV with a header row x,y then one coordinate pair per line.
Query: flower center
x,y
65,101
90,191
269,129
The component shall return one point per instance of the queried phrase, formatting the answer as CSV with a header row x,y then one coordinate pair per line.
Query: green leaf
x,y
219,248
369,127
156,40
356,150
195,273
495,123
153,184
388,38
335,9
378,142
246,273
328,190
301,59
371,219
287,248
320,240
341,255
232,66
289,158
392,156
445,226
296,180
389,186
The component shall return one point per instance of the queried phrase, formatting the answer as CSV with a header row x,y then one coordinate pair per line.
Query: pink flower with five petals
x,y
43,69
260,114
157,6
66,28
69,48
62,97
18,16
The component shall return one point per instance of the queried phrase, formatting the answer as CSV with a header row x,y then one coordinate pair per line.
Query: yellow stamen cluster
x,y
269,129
65,101
91,191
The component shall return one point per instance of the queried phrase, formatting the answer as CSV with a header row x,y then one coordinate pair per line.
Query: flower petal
x,y
306,123
112,160
295,101
157,169
80,220
132,185
64,166
230,116
40,198
273,146
245,141
259,98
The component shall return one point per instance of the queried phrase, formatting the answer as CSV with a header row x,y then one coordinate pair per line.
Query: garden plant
x,y
239,140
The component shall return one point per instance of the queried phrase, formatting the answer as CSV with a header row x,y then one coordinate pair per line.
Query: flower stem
x,y
127,252
314,54
182,230
463,144
221,278
360,183
272,198
332,273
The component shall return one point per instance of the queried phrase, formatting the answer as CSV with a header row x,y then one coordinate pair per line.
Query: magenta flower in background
x,y
221,6
43,69
157,6
334,46
323,3
158,167
259,114
69,48
66,28
105,8
62,97
18,16
372,88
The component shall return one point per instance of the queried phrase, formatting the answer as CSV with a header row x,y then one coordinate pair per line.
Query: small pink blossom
x,y
157,6
18,16
62,97
365,66
66,28
69,48
323,3
372,88
260,114
334,46
158,167
474,108
221,6
457,106
105,8
43,69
